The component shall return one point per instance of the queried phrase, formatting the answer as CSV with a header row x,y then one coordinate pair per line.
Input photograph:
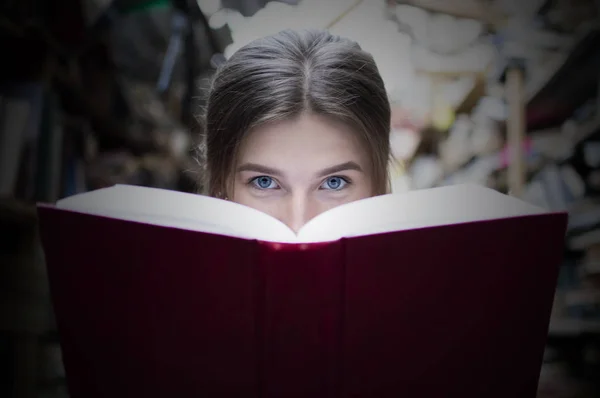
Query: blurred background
x,y
502,93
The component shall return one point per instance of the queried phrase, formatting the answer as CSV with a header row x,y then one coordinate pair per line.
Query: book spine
x,y
300,313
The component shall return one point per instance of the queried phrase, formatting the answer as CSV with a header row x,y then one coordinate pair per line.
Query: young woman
x,y
297,123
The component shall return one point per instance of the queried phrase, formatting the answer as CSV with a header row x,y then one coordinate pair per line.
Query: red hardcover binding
x,y
448,311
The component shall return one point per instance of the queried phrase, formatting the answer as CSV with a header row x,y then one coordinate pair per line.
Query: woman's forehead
x,y
297,137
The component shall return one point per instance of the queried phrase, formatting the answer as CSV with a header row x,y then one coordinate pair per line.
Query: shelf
x,y
569,85
573,327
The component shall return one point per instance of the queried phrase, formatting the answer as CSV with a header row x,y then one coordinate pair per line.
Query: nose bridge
x,y
301,209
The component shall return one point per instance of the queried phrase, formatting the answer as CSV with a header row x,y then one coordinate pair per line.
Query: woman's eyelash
x,y
267,182
253,182
345,181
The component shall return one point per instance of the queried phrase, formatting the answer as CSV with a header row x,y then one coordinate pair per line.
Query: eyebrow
x,y
275,172
340,167
259,169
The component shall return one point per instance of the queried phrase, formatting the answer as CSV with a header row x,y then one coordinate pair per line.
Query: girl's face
x,y
297,169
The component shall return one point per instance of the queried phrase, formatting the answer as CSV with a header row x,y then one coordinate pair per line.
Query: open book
x,y
439,292
386,213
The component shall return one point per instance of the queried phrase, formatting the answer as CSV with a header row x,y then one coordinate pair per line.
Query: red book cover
x,y
154,309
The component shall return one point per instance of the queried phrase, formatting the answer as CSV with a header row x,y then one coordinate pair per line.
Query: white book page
x,y
393,212
179,210
416,209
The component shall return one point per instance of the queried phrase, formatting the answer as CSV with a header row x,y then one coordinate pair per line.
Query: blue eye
x,y
264,182
334,183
